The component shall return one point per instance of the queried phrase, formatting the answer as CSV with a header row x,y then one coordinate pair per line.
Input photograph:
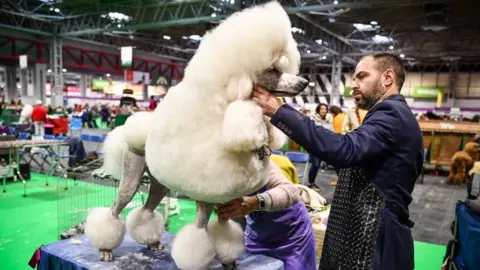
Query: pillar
x,y
33,82
57,72
10,83
336,80
83,85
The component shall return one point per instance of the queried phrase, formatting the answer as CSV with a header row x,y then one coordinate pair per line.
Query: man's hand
x,y
267,101
237,207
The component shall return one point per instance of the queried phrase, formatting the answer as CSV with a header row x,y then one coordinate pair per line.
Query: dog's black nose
x,y
303,83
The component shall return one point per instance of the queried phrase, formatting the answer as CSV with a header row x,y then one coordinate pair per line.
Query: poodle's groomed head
x,y
251,47
472,148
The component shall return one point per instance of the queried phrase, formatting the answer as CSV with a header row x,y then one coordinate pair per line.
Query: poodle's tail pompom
x,y
136,130
113,151
228,239
26,113
243,128
192,248
104,230
145,226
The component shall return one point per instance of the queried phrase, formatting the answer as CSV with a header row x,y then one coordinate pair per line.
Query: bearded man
x,y
388,149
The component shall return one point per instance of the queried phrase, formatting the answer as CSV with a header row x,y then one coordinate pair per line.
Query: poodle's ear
x,y
239,87
243,128
276,138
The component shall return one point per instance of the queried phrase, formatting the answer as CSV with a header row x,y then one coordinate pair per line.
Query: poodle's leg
x,y
192,247
144,224
228,240
453,171
104,227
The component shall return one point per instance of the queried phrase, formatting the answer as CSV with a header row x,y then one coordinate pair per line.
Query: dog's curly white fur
x,y
192,248
145,226
103,229
228,240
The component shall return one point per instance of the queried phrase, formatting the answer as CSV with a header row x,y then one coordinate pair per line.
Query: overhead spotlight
x,y
119,25
373,23
311,84
49,70
308,51
64,70
51,9
324,57
319,41
402,55
57,10
167,37
391,47
214,15
108,74
335,2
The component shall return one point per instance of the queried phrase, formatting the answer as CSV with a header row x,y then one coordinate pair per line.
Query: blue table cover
x,y
65,254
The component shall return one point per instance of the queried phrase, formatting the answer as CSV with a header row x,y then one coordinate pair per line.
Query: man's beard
x,y
371,98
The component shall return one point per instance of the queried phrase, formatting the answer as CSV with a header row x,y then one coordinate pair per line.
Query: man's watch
x,y
261,202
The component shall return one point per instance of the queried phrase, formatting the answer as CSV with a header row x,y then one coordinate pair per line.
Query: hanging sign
x,y
23,61
126,56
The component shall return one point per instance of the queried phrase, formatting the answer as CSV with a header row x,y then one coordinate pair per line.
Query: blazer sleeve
x,y
375,136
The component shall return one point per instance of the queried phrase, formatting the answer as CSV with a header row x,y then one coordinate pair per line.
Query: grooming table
x,y
80,254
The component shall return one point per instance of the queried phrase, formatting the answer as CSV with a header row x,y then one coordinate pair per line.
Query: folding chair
x,y
299,157
277,152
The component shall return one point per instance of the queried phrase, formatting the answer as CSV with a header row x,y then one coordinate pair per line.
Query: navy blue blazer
x,y
388,146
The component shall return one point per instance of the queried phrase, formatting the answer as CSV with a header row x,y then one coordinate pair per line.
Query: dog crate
x,y
77,196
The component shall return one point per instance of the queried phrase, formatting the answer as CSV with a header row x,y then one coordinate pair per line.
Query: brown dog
x,y
462,163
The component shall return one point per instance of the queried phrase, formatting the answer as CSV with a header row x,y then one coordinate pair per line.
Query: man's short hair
x,y
386,61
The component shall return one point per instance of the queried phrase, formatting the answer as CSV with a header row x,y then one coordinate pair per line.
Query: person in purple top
x,y
278,224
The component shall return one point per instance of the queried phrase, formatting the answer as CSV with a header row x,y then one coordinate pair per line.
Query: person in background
x,y
278,224
153,104
338,118
105,115
323,119
39,117
353,119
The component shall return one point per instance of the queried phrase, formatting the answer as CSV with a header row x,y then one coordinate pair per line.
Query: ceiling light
x,y
297,30
311,84
308,51
51,9
335,2
363,27
214,15
373,23
64,70
119,25
57,10
167,37
391,47
381,39
402,55
49,70
324,57
108,74
319,41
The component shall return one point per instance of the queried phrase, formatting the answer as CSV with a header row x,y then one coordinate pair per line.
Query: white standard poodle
x,y
207,140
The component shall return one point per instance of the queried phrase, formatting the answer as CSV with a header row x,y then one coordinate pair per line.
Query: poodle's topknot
x,y
248,41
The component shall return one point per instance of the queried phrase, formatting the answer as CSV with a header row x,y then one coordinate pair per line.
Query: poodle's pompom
x,y
228,239
243,127
277,138
145,226
26,113
104,230
113,151
192,248
136,130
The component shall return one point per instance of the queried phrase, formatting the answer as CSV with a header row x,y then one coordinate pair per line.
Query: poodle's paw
x,y
155,246
192,248
103,230
230,266
145,226
106,255
228,240
243,127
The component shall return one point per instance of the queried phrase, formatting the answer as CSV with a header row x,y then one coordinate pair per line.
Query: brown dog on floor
x,y
462,162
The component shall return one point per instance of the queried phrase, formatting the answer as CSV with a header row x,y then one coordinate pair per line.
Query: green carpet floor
x,y
27,223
